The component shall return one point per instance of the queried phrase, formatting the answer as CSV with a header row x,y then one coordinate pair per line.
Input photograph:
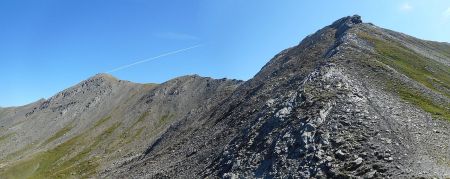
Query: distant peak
x,y
345,23
104,76
349,20
356,19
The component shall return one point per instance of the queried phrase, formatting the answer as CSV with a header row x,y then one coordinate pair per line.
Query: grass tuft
x,y
58,134
2,138
101,121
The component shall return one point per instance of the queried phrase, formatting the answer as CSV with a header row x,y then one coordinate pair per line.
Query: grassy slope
x,y
130,134
444,49
82,155
4,137
79,156
59,161
58,134
101,121
1,112
427,72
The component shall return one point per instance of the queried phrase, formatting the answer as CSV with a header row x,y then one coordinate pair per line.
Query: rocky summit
x,y
352,100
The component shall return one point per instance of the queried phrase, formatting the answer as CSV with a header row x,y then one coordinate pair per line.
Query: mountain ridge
x,y
379,164
351,100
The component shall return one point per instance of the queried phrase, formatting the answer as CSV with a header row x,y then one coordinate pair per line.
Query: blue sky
x,y
49,45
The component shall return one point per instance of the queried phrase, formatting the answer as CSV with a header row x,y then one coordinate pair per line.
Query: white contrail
x,y
153,58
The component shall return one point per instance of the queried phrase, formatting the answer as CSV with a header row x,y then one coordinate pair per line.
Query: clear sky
x,y
49,45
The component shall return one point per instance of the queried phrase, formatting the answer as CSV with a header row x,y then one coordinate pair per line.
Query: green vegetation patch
x,y
129,134
140,119
58,134
60,162
81,164
436,110
164,120
20,152
441,48
137,134
2,138
44,164
101,121
430,73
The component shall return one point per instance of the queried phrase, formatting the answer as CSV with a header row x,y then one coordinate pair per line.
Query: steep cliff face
x,y
351,100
